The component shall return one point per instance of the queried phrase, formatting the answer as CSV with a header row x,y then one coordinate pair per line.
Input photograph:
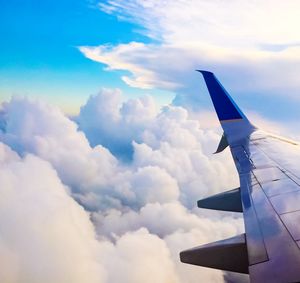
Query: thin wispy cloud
x,y
234,24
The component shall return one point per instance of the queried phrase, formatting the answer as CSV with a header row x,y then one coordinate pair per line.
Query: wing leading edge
x,y
269,197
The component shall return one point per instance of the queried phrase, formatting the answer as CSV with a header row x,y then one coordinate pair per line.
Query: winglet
x,y
225,107
228,112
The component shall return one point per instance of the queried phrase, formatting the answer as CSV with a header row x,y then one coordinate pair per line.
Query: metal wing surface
x,y
269,197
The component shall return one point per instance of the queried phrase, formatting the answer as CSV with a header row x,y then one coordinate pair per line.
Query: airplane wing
x,y
268,196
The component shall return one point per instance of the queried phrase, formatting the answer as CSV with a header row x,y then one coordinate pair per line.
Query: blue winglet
x,y
225,107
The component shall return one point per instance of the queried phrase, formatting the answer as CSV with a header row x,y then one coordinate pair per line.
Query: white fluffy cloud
x,y
45,235
139,257
143,210
163,220
107,120
38,128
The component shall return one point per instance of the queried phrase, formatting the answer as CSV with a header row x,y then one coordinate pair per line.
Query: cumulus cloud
x,y
126,120
240,39
45,235
163,220
38,128
139,257
90,211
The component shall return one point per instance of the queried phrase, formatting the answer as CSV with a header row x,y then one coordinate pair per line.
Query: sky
x,y
107,132
64,52
40,56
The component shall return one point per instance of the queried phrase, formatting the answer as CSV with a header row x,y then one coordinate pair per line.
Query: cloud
x,y
163,220
142,211
43,130
139,257
240,39
126,120
46,236
172,68
237,23
168,141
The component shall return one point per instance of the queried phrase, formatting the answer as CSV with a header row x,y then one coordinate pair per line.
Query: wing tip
x,y
204,72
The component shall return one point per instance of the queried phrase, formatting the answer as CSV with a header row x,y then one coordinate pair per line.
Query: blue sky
x,y
39,54
152,48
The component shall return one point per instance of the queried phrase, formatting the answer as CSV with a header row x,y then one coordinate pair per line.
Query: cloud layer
x,y
252,46
72,211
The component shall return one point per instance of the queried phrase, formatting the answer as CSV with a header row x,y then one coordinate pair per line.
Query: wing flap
x,y
227,201
230,254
